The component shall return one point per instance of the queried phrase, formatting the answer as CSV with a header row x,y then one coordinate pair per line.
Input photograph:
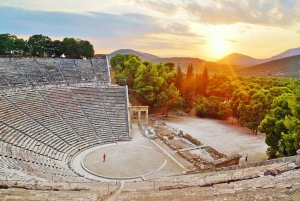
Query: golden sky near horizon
x,y
207,29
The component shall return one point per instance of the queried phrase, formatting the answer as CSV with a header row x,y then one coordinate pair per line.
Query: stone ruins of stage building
x,y
228,161
139,109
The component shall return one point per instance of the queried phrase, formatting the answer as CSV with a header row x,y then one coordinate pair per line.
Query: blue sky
x,y
207,29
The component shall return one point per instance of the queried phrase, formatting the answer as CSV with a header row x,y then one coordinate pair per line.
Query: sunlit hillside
x,y
286,67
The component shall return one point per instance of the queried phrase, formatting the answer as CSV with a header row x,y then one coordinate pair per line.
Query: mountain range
x,y
285,64
244,60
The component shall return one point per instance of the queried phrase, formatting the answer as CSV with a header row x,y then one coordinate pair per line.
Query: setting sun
x,y
219,45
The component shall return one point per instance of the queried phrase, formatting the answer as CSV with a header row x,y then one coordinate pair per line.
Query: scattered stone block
x,y
257,186
163,188
268,186
179,186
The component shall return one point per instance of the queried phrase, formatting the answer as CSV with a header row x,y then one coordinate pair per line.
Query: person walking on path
x,y
246,157
104,156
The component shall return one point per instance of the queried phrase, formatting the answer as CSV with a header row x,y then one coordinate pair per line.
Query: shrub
x,y
271,152
201,110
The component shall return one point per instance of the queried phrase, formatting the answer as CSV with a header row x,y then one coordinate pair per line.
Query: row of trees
x,y
39,45
270,105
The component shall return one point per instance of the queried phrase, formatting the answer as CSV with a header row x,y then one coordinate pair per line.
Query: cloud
x,y
3,4
266,12
160,6
232,41
88,24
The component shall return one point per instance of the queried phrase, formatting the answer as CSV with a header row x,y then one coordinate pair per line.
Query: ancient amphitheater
x,y
59,116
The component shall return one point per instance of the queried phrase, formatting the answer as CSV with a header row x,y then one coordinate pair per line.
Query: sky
x,y
206,29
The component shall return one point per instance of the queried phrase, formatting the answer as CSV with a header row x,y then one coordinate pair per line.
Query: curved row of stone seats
x,y
106,113
43,71
101,69
20,123
250,183
69,70
9,75
86,69
67,107
116,97
281,187
20,158
50,70
29,69
22,138
14,181
229,173
42,195
43,128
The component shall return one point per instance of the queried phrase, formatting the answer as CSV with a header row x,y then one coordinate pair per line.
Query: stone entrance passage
x,y
139,109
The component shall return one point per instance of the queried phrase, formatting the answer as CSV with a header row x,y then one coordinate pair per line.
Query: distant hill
x,y
142,55
244,60
288,53
285,67
240,60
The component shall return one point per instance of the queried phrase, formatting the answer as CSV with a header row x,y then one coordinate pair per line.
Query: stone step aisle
x,y
117,193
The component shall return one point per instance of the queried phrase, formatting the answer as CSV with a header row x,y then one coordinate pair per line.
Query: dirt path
x,y
225,136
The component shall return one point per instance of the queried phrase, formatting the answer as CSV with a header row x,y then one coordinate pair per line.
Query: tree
x,y
179,79
291,139
170,65
56,44
10,43
77,48
85,49
118,59
273,123
167,99
220,86
147,83
189,87
204,82
201,110
37,44
69,47
225,110
131,67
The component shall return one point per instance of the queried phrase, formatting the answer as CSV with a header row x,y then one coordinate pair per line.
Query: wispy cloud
x,y
169,8
89,24
265,12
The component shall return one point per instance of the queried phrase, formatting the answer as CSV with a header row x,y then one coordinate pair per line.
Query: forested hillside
x,y
286,67
270,105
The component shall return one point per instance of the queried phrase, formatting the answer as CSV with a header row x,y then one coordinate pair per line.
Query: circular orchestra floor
x,y
123,161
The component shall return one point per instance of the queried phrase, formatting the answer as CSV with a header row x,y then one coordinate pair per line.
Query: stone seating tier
x,y
14,72
42,129
251,183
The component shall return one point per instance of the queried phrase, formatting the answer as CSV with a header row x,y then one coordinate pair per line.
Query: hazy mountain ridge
x,y
244,60
142,55
240,60
285,67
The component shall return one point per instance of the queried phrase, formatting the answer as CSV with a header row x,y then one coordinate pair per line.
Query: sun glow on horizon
x,y
219,46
